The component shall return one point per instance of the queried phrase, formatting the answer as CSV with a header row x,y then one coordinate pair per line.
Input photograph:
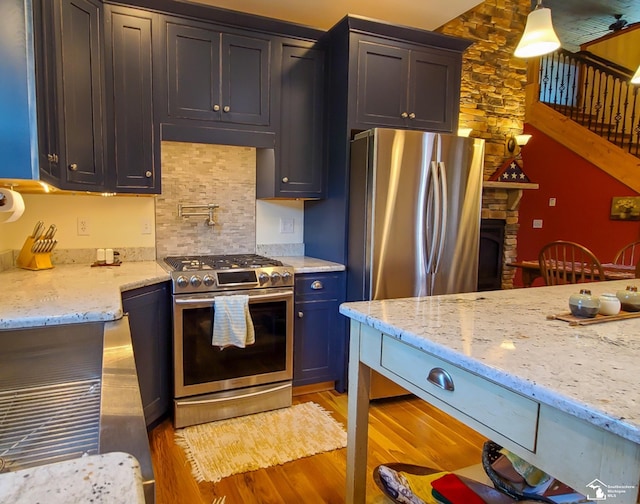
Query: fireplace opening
x,y
491,253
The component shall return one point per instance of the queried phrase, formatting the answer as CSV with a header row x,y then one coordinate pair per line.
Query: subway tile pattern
x,y
201,174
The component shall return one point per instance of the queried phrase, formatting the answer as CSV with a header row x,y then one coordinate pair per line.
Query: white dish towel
x,y
232,324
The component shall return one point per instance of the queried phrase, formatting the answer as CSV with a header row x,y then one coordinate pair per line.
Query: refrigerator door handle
x,y
442,209
434,208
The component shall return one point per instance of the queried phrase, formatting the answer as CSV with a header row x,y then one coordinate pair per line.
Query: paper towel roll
x,y
11,206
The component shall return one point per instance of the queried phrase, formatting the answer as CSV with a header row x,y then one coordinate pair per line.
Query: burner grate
x,y
220,262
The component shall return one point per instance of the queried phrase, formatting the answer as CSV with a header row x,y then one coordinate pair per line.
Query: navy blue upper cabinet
x,y
216,76
133,133
69,83
407,88
296,168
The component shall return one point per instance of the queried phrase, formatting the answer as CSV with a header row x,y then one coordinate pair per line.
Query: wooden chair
x,y
564,262
629,255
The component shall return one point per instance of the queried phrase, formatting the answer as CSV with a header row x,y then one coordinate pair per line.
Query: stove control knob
x,y
286,276
263,278
275,277
195,281
208,280
182,281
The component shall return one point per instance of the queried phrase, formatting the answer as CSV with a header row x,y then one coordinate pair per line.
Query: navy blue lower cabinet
x,y
149,310
319,330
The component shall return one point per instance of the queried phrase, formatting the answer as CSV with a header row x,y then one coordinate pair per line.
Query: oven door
x,y
200,367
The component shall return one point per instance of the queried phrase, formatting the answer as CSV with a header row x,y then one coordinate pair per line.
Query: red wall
x,y
583,195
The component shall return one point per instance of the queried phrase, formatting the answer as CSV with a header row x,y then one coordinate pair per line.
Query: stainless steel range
x,y
213,382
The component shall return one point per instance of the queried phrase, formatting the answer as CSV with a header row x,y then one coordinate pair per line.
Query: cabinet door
x,y
150,322
245,80
315,352
301,161
434,90
80,97
319,330
193,72
134,148
383,73
70,95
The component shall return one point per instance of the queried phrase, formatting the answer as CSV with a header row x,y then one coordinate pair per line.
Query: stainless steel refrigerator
x,y
414,214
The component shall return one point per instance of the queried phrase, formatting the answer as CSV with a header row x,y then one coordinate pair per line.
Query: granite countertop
x,y
74,293
588,371
110,478
71,293
304,264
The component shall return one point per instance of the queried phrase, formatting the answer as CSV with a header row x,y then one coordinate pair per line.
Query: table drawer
x,y
508,413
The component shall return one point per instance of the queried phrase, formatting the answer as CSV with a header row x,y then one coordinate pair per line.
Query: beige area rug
x,y
219,449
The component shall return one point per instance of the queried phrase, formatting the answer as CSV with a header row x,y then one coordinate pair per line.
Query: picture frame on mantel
x,y
625,208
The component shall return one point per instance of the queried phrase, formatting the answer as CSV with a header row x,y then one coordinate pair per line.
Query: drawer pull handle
x,y
300,314
317,285
440,378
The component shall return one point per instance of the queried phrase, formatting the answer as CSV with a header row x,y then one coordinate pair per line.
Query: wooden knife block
x,y
33,260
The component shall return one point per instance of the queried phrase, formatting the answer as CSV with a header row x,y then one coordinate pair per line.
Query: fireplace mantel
x,y
514,193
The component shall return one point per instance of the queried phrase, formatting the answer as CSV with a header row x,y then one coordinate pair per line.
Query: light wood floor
x,y
401,430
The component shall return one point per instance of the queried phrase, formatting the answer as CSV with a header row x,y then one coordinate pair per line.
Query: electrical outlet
x,y
552,202
83,226
145,226
286,225
537,223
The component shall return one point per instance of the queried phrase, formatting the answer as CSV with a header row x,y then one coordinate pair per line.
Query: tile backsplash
x,y
201,174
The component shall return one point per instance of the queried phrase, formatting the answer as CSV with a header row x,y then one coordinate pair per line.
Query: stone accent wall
x,y
200,174
492,98
494,206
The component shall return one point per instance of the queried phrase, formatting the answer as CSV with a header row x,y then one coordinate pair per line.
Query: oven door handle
x,y
252,297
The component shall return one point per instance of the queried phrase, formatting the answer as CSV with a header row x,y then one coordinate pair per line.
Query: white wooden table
x,y
563,398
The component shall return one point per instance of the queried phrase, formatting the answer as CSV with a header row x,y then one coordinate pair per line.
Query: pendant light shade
x,y
539,36
636,77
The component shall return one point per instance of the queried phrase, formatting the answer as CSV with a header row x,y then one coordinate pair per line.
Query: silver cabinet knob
x,y
317,285
404,115
285,179
412,115
148,174
226,108
216,108
73,167
300,314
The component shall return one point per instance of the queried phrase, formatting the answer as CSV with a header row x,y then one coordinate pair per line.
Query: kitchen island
x,y
565,398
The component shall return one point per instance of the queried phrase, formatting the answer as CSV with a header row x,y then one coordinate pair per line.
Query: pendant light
x,y
539,37
636,77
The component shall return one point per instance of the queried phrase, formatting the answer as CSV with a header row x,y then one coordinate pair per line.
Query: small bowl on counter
x,y
609,304
629,298
583,304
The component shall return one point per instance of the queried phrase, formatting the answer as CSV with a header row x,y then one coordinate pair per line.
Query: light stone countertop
x,y
110,478
71,293
304,264
588,371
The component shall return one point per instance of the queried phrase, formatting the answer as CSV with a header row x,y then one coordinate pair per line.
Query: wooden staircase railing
x,y
597,118
595,93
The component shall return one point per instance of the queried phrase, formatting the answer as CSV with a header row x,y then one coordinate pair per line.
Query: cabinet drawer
x,y
508,413
325,286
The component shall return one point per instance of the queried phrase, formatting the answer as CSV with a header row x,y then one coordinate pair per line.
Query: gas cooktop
x,y
211,273
219,262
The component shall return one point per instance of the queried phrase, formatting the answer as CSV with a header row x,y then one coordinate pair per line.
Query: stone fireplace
x,y
500,201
